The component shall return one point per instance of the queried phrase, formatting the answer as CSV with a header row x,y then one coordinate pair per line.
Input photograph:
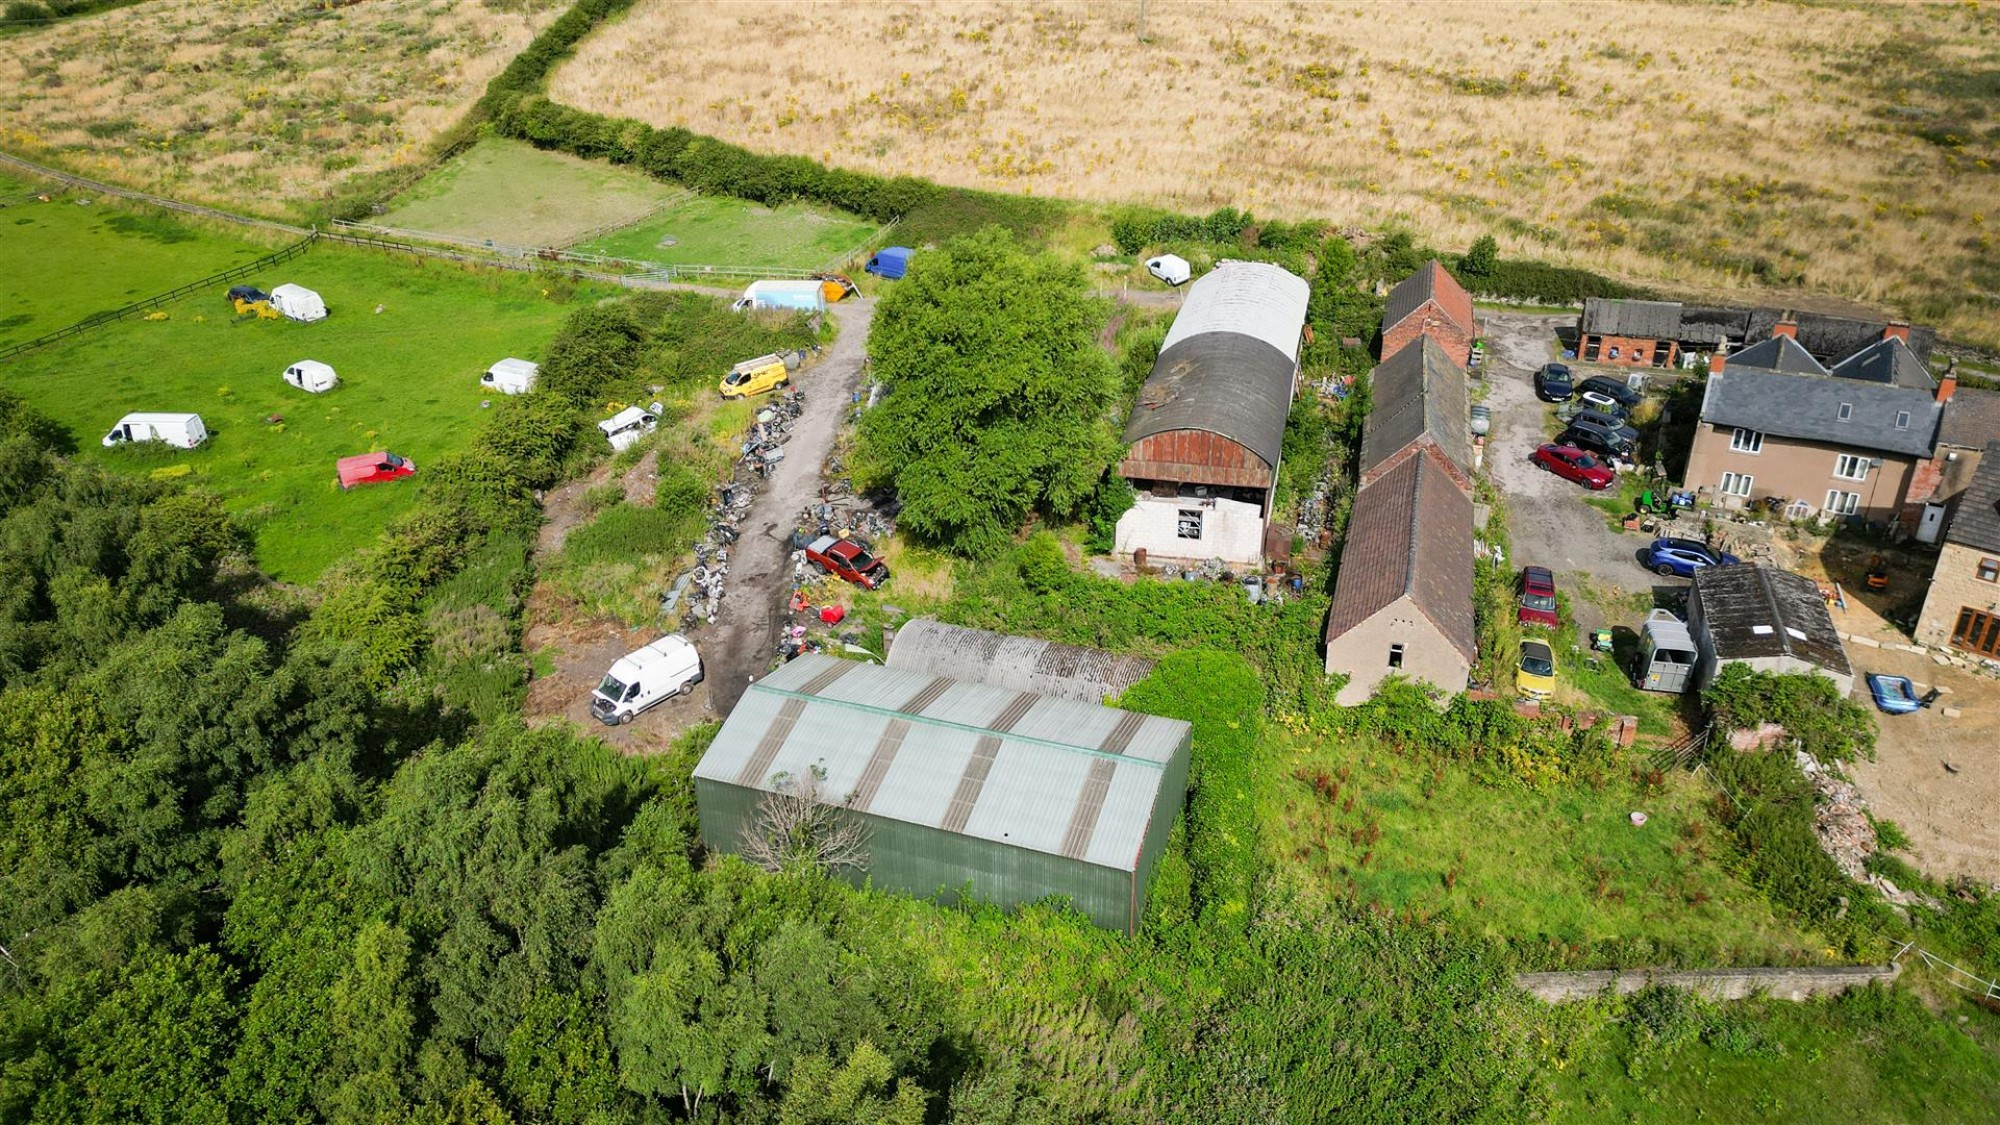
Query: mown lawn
x,y
1561,873
409,383
67,259
513,192
720,231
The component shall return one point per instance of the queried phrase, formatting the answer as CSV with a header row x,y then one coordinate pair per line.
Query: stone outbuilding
x,y
1962,607
1770,619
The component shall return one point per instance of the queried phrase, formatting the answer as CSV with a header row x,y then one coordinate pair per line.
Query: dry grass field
x,y
1848,149
260,107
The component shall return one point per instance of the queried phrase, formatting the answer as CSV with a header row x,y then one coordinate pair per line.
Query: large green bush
x,y
1826,724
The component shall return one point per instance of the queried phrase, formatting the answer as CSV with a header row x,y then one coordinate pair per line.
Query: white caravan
x,y
311,375
511,376
666,668
628,426
183,431
299,303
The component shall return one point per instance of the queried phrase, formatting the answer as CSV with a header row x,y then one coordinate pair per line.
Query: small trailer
x,y
1667,654
312,376
797,296
299,303
640,680
182,431
511,376
628,426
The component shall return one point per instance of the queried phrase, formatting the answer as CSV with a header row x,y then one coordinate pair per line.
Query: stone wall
x,y
1715,984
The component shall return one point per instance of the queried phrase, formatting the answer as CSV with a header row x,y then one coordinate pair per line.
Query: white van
x,y
801,296
628,426
299,303
666,668
511,376
311,375
183,431
1170,268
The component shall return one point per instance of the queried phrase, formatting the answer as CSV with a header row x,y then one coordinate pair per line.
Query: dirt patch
x,y
577,653
564,508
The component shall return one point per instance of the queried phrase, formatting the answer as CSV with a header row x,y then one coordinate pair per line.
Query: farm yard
x,y
86,256
1563,129
409,383
258,108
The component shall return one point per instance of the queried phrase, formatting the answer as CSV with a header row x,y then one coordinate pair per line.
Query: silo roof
x,y
1086,675
1011,767
1252,299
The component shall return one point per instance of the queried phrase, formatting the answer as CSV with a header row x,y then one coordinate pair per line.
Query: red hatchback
x,y
1571,463
1538,598
371,468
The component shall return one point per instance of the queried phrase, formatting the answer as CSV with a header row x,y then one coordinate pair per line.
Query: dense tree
x,y
1480,261
999,398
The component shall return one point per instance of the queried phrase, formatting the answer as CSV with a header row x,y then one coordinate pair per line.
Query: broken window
x,y
1189,524
1395,656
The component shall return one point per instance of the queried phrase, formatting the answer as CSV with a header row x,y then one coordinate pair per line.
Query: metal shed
x,y
1017,795
1086,675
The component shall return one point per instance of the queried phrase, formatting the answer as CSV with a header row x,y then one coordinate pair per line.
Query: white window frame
x,y
1746,441
1846,412
1840,503
1188,518
1735,484
1850,466
1902,419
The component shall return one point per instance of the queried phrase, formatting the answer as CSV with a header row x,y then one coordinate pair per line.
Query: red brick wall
x,y
1923,482
1428,320
1632,350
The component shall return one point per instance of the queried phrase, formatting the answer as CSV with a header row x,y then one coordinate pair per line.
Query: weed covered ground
x,y
74,256
718,230
1559,127
254,107
512,192
409,384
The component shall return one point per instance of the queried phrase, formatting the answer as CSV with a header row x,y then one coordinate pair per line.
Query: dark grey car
x,y
1608,423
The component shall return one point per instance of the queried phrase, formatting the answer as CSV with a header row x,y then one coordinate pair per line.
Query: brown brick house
x,y
1832,442
1403,601
1418,401
1640,333
1429,303
1962,608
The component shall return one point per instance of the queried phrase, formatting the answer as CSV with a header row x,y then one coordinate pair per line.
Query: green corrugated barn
x,y
1018,794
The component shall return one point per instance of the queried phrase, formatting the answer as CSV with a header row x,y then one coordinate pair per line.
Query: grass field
x,y
1549,871
409,384
721,231
251,106
133,254
509,191
1683,143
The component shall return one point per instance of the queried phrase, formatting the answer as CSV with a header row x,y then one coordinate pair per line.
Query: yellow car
x,y
755,376
1536,677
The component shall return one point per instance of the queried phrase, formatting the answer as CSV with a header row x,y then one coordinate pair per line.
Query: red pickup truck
x,y
848,558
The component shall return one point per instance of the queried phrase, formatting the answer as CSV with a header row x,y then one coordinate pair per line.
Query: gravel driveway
x,y
1549,521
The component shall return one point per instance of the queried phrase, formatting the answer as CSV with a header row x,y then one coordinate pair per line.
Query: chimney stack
x,y
1897,330
1716,360
1947,386
1786,326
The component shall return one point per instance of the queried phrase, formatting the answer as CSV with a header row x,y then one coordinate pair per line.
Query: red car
x,y
373,468
849,559
1538,598
1571,463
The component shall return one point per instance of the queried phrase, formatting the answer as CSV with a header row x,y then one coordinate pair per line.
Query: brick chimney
x,y
1786,326
1716,360
1897,330
1947,386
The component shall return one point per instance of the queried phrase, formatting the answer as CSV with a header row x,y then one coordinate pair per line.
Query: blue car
x,y
1683,557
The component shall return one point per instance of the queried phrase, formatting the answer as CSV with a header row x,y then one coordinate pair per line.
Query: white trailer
x,y
311,375
182,431
799,296
637,681
299,303
511,376
628,426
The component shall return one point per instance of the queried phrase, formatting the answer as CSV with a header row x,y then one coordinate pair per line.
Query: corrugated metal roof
x,y
1252,299
1086,675
993,763
1223,383
1660,320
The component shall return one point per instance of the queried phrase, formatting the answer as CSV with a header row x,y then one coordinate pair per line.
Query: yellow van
x,y
755,376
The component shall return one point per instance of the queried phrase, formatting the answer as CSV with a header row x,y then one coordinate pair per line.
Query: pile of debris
x,y
1841,816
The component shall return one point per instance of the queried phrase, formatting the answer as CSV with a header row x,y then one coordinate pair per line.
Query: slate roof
x,y
1779,353
1087,675
1887,361
1977,522
1807,407
1971,419
1410,533
1714,322
1431,282
1417,393
1753,611
1658,320
1834,338
1253,299
1010,767
1222,382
